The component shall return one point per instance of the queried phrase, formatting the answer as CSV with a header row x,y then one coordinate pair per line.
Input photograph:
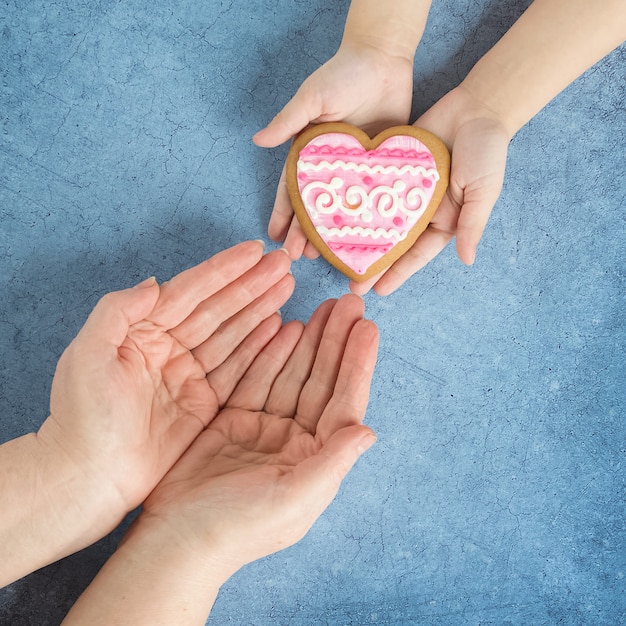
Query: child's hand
x,y
268,465
478,142
361,85
151,368
503,91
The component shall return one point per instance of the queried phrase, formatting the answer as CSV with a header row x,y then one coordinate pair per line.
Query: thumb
x,y
472,222
318,478
479,198
302,109
108,324
476,179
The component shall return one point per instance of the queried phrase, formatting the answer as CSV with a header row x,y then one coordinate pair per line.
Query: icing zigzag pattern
x,y
374,233
360,168
360,248
394,153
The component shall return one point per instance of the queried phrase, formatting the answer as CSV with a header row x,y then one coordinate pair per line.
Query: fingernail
x,y
146,283
366,443
261,242
286,252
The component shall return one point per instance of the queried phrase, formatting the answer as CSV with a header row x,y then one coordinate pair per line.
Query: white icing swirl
x,y
326,201
358,203
416,201
325,198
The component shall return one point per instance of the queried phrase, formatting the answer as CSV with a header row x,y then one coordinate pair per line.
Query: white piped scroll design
x,y
327,198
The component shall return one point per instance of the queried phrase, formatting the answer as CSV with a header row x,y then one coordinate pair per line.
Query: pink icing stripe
x,y
395,153
397,147
359,247
358,257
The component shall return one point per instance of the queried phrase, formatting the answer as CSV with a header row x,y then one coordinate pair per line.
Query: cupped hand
x,y
152,367
478,142
265,468
361,85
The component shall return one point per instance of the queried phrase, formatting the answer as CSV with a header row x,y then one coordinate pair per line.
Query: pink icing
x,y
329,148
378,194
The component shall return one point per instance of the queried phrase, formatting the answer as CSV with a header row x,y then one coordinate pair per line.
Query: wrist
x,y
457,109
153,578
78,487
44,516
393,28
487,99
475,104
205,558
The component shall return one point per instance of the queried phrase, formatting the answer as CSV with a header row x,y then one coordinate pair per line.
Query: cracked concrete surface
x,y
495,493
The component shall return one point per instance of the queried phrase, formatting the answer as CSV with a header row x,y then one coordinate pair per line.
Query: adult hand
x,y
151,368
362,85
254,480
260,474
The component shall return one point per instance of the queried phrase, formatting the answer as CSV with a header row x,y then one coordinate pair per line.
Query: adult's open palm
x,y
266,467
152,367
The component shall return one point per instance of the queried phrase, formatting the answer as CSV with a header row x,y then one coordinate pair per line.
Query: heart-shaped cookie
x,y
363,202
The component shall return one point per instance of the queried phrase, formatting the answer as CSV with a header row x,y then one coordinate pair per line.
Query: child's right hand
x,y
478,141
362,85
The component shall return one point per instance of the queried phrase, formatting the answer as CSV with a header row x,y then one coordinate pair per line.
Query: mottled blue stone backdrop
x,y
495,494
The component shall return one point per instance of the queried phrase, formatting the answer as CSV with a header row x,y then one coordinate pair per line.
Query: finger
x,y
282,213
310,251
286,389
477,207
476,180
317,479
232,298
284,226
252,390
218,347
426,248
183,293
348,403
320,385
108,324
296,240
363,287
472,222
304,107
227,376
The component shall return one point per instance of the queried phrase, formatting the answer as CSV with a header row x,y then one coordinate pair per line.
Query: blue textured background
x,y
495,494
